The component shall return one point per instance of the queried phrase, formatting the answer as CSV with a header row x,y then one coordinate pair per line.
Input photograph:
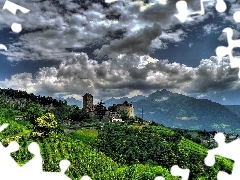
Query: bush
x,y
46,123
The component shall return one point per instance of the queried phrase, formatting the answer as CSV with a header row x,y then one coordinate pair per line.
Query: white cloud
x,y
210,28
121,76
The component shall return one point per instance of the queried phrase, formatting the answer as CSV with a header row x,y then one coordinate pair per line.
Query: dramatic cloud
x,y
138,43
126,34
122,76
213,75
52,28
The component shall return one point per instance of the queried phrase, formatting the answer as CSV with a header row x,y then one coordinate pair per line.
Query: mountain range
x,y
180,111
164,107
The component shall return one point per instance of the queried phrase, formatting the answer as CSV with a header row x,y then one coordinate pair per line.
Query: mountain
x,y
72,101
180,111
112,101
234,108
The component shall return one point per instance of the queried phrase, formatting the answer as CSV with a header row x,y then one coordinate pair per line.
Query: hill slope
x,y
84,159
234,108
176,110
124,152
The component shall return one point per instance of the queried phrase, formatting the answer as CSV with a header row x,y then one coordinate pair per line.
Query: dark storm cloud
x,y
61,25
138,43
212,75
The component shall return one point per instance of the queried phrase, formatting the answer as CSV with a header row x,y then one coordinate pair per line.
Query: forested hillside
x,y
180,111
77,148
134,150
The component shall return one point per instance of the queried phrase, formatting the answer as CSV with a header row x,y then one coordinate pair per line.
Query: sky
x,y
125,48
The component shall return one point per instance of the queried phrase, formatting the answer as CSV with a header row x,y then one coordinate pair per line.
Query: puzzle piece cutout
x,y
221,6
222,51
35,164
177,171
183,11
12,7
9,164
227,150
9,168
86,178
159,178
236,17
110,1
4,126
2,46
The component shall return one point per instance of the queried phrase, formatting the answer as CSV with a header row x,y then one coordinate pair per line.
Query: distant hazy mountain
x,y
112,101
72,101
176,110
234,108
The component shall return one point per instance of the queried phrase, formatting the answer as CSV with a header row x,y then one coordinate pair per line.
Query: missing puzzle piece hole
x,y
64,165
236,17
85,178
221,51
16,27
159,178
22,156
221,6
209,160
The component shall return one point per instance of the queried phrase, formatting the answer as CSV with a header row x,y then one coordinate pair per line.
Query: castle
x,y
112,114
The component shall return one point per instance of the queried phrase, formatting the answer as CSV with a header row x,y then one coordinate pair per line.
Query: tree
x,y
47,123
33,112
101,110
112,108
78,114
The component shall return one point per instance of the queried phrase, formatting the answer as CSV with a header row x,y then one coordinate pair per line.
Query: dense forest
x,y
136,149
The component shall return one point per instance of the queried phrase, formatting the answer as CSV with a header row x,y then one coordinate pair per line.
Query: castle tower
x,y
88,102
127,107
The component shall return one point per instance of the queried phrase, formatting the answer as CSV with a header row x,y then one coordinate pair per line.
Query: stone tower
x,y
88,102
127,107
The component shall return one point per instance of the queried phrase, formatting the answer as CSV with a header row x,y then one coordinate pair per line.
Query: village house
x,y
19,117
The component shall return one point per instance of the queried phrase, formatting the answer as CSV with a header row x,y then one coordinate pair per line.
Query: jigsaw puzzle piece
x,y
64,164
8,164
221,6
183,11
5,125
40,175
2,46
222,51
223,176
177,171
12,7
236,17
110,1
227,150
35,164
86,178
202,11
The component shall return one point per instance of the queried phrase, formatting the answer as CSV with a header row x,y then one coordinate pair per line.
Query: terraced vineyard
x,y
78,147
189,147
84,159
